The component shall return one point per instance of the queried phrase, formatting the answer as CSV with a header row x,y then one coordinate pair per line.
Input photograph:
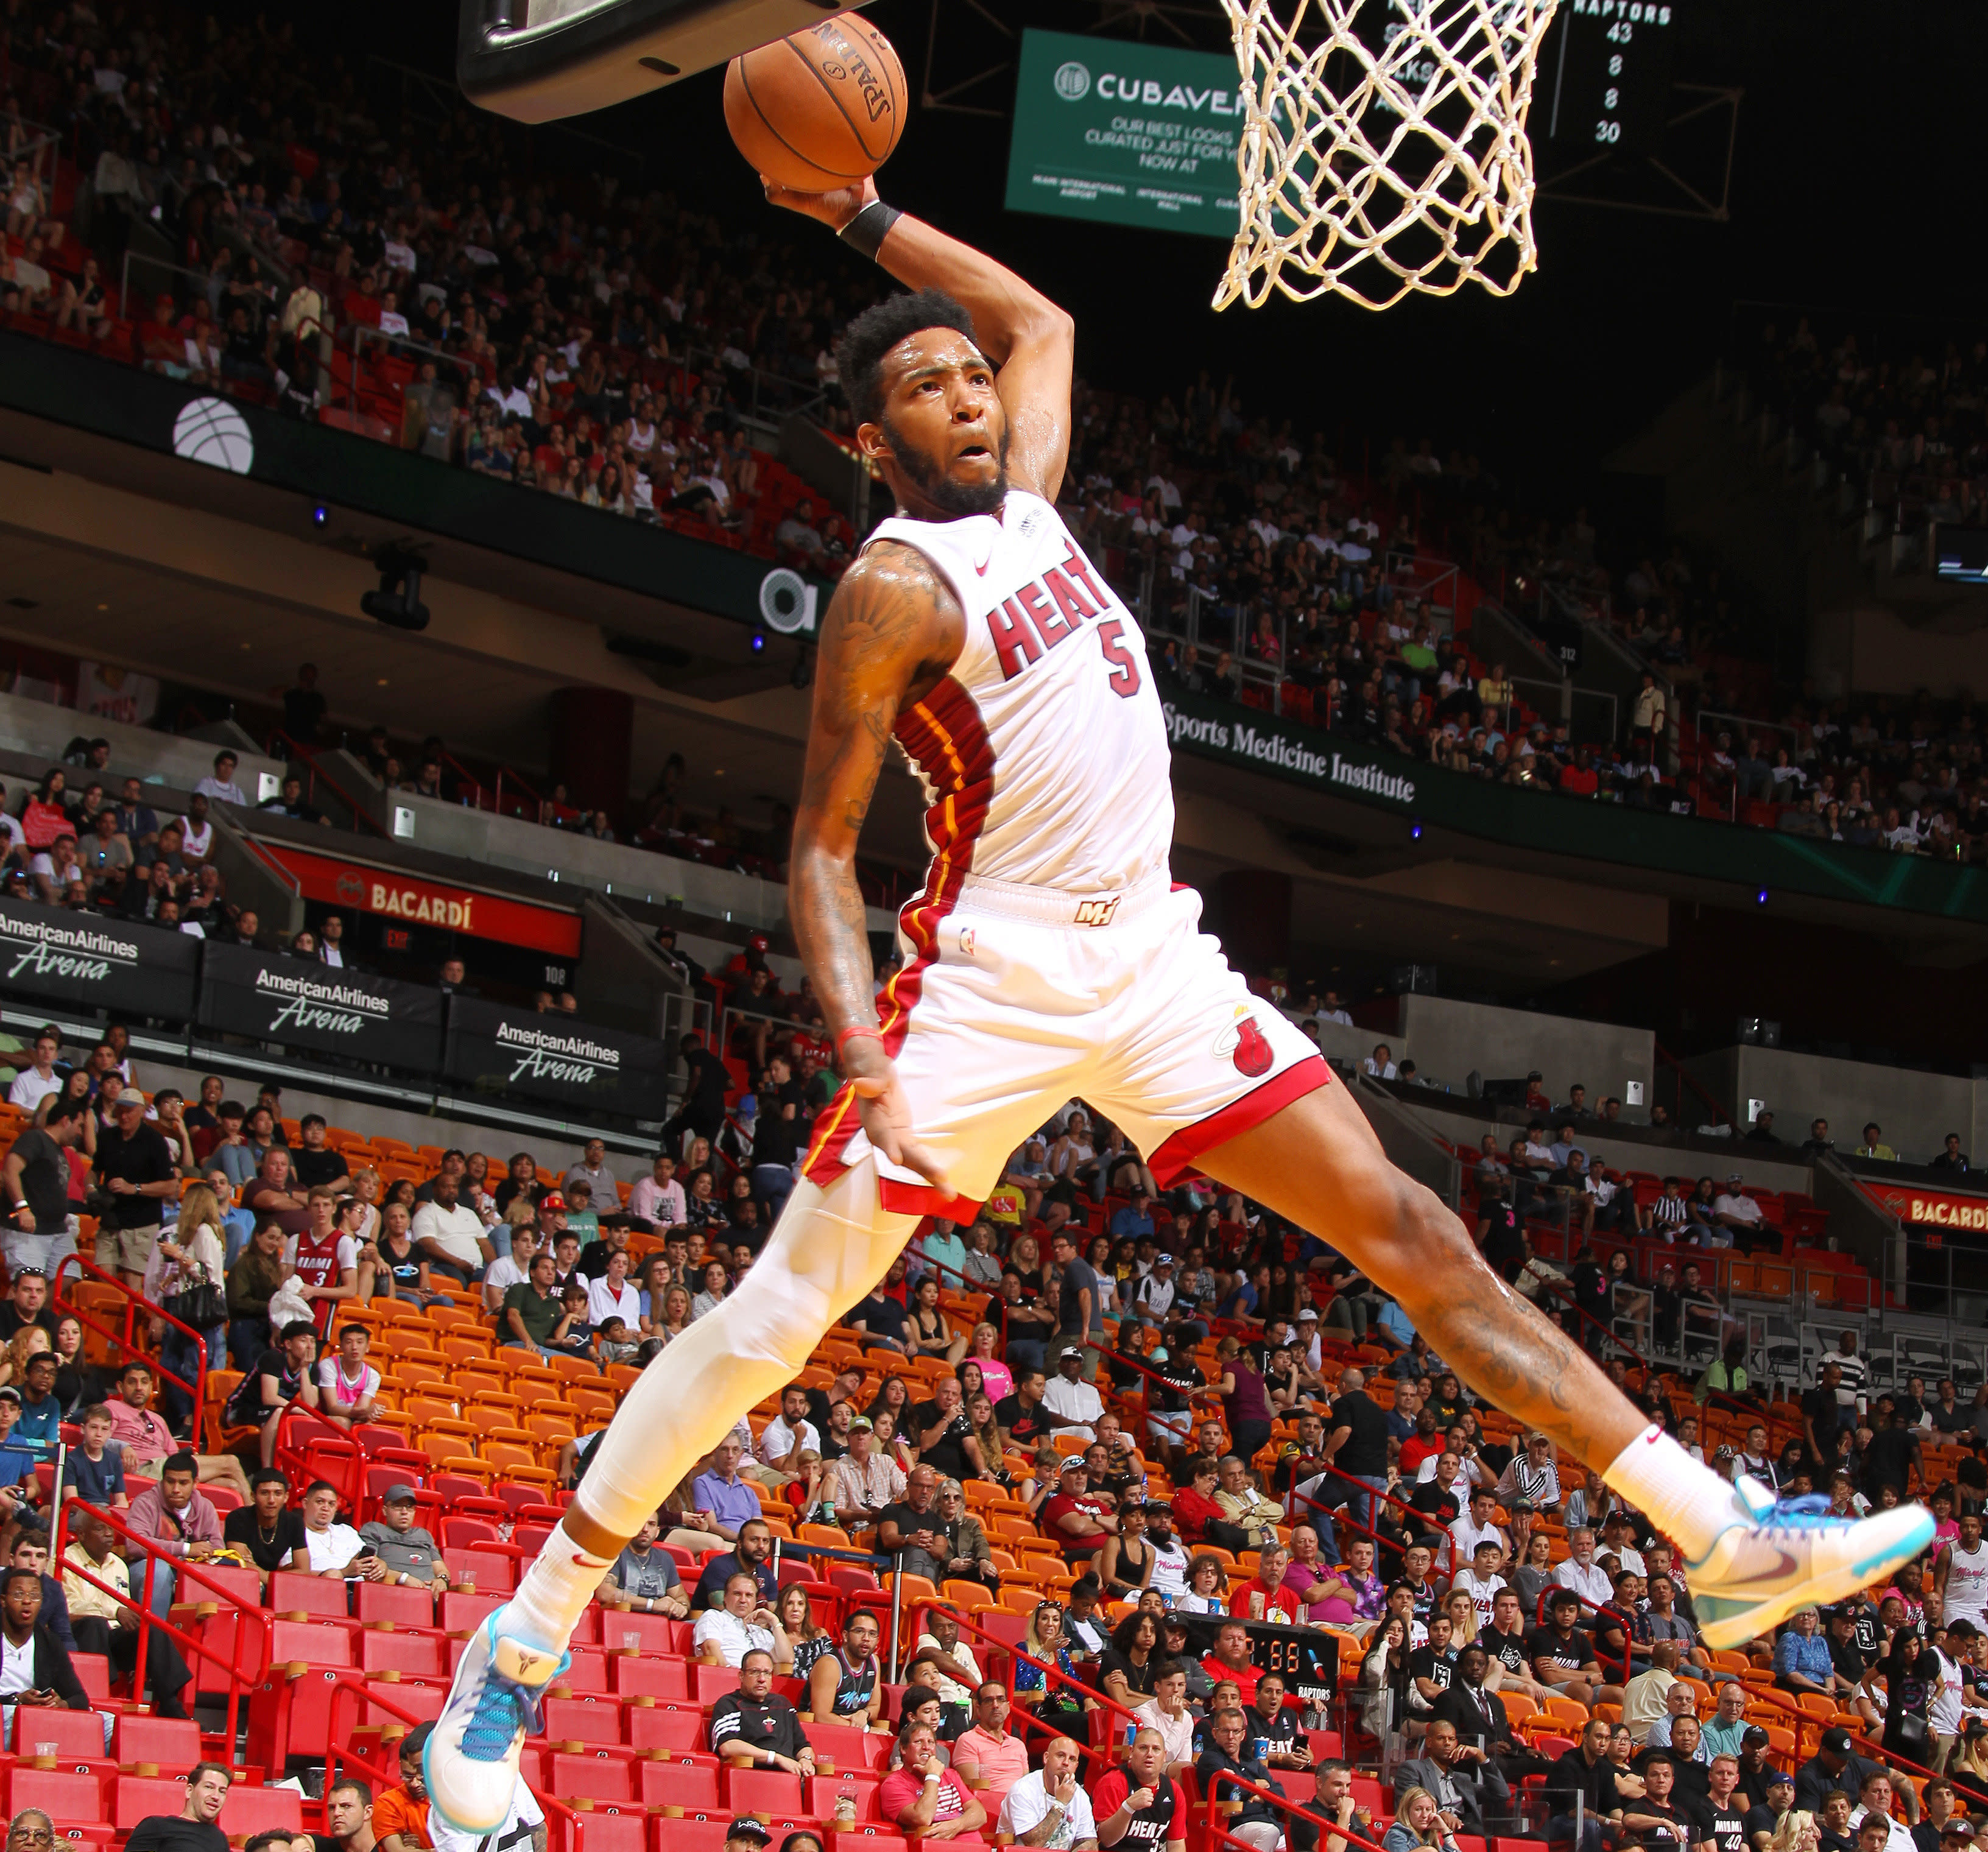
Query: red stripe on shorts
x,y
923,1199
944,737
1175,1157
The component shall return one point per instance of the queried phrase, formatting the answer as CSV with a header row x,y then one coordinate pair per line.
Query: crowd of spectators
x,y
1106,1369
71,842
1898,417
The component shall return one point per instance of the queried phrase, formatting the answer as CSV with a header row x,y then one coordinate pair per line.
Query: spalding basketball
x,y
820,110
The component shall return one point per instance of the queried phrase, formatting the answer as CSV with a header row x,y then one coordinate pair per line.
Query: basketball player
x,y
1049,956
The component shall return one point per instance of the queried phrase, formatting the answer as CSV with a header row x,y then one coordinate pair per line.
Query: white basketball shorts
x,y
1013,1000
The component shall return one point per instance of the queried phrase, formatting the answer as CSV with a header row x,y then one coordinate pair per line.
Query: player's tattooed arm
x,y
893,630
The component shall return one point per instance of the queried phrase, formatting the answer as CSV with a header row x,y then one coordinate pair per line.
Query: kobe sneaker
x,y
471,1762
1781,1556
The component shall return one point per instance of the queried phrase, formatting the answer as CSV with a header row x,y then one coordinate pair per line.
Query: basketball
x,y
820,110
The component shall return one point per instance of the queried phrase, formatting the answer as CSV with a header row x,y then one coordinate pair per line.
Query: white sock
x,y
1685,1500
829,1247
554,1594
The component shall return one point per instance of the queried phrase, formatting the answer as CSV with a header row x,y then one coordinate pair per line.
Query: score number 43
x,y
1620,33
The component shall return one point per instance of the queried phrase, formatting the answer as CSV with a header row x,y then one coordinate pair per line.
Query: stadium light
x,y
398,600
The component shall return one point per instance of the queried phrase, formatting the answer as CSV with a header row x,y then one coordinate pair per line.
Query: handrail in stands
x,y
186,1572
1560,1588
126,1341
1291,1809
295,1465
1564,1289
310,755
1359,1485
338,1748
1106,1703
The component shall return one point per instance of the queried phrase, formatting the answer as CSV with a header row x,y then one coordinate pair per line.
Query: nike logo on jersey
x,y
982,568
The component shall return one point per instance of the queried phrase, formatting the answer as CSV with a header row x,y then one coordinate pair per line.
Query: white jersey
x,y
1044,752
1967,1583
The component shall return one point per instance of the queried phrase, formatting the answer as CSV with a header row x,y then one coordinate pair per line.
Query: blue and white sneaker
x,y
471,1762
1785,1555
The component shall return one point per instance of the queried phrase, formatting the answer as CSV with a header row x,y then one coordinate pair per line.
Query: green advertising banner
x,y
1539,820
1128,135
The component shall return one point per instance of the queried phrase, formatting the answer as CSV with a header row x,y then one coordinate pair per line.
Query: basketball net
x,y
1388,159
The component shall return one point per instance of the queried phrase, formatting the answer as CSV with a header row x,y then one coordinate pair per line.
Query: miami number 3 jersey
x,y
1044,753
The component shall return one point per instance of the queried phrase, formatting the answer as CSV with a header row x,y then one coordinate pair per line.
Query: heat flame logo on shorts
x,y
1245,1043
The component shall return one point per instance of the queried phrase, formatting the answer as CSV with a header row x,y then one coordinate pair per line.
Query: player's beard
x,y
938,488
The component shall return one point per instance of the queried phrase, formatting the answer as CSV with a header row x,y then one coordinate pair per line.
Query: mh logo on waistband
x,y
1096,913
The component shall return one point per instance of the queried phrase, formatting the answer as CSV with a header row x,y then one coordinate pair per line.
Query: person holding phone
x,y
35,1666
336,1551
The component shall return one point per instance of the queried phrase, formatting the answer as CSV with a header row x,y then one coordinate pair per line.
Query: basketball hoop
x,y
1387,155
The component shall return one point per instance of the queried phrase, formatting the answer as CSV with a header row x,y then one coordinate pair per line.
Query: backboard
x,y
538,60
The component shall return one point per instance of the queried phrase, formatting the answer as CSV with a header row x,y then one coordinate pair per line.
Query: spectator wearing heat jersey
x,y
347,1383
219,787
324,1257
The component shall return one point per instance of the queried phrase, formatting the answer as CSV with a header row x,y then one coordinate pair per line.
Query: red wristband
x,y
856,1029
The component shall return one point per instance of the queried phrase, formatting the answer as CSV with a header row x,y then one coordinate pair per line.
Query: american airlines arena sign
x,y
494,1048
302,1004
82,959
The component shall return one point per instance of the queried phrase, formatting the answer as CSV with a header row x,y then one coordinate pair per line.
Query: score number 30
x,y
1620,33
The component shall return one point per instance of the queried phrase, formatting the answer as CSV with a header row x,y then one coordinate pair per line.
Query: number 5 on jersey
x,y
1124,670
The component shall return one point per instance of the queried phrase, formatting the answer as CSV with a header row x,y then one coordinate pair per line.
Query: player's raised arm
x,y
1031,342
892,631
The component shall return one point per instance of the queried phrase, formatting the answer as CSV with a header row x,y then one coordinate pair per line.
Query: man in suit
x,y
52,1684
1471,1795
1478,1718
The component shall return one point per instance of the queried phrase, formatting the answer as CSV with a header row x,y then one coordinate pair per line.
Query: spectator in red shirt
x,y
925,1797
1076,1519
1194,1505
1580,779
1231,1659
1266,1596
1423,1444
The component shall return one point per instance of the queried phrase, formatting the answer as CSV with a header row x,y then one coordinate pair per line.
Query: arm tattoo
x,y
884,643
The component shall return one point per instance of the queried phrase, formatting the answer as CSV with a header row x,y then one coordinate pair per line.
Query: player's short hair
x,y
859,354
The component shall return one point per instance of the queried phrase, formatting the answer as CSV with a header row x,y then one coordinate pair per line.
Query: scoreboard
x,y
1305,1658
1604,76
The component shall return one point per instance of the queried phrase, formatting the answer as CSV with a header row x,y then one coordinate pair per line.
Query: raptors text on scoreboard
x,y
1607,83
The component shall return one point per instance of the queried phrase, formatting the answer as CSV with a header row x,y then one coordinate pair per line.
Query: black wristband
x,y
866,231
